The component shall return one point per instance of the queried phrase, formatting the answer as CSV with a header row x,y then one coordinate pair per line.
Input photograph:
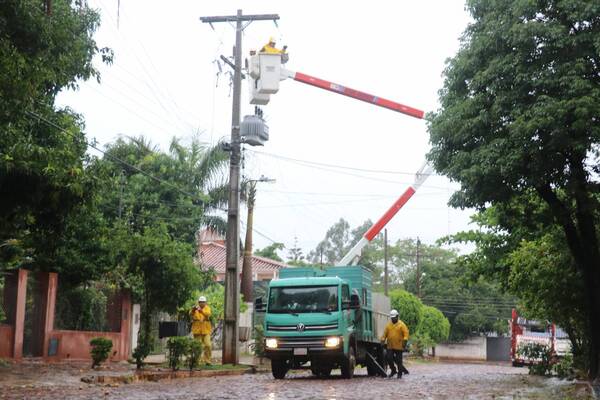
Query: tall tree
x,y
520,112
339,239
271,251
531,262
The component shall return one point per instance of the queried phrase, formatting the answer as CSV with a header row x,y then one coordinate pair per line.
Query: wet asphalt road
x,y
426,381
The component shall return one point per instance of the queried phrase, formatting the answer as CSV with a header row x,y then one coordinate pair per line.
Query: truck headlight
x,y
271,343
333,341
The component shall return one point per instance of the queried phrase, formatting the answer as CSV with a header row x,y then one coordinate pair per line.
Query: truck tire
x,y
279,368
348,364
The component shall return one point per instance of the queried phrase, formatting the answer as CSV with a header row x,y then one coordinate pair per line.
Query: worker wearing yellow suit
x,y
396,335
271,49
201,328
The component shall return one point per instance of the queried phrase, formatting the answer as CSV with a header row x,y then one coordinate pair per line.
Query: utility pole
x,y
418,278
385,263
231,354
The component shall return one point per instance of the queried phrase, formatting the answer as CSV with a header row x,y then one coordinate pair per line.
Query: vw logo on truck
x,y
300,327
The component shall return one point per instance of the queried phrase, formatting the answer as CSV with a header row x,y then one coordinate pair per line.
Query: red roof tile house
x,y
211,252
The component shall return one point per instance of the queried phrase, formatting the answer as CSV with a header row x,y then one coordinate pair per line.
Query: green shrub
x,y
193,354
142,350
540,357
409,307
100,351
259,341
419,343
178,347
564,367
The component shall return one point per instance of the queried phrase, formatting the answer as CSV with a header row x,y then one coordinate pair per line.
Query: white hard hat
x,y
202,298
393,313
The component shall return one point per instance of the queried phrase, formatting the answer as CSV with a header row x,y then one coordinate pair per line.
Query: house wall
x,y
7,335
62,344
75,345
473,348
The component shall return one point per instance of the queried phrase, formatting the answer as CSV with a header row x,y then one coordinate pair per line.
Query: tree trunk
x,y
246,287
581,238
591,277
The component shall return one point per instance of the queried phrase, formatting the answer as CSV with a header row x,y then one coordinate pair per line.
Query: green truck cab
x,y
323,319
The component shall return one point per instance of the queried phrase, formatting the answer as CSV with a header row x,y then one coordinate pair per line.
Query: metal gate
x,y
498,348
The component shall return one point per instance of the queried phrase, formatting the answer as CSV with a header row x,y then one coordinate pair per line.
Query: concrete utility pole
x,y
385,263
231,354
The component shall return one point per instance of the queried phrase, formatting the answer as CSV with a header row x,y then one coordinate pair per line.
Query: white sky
x,y
163,82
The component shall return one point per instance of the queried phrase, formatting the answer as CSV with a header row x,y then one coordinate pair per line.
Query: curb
x,y
151,376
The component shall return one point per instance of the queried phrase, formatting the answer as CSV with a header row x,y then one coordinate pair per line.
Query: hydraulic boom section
x,y
265,73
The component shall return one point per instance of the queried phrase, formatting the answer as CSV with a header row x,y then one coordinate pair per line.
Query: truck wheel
x,y
279,369
348,364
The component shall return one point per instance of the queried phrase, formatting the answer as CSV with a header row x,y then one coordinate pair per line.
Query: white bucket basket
x,y
255,97
270,71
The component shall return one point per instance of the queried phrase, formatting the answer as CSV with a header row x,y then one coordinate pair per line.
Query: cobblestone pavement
x,y
426,381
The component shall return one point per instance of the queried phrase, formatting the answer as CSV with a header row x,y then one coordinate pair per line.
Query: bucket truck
x,y
325,318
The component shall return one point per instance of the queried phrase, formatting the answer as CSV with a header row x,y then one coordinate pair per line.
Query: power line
x,y
469,298
338,171
40,118
469,305
144,70
382,196
468,301
377,171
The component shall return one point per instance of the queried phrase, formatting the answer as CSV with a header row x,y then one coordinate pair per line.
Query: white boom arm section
x,y
265,73
352,256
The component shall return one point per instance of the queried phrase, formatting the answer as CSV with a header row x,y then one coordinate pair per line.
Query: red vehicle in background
x,y
527,331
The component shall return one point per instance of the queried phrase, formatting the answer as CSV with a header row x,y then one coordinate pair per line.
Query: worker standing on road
x,y
396,335
201,328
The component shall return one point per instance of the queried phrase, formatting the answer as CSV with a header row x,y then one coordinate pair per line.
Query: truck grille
x,y
308,342
306,328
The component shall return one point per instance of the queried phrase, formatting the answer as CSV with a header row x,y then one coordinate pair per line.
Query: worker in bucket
x,y
395,336
270,48
201,328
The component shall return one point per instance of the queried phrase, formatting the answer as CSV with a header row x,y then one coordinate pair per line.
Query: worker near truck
x,y
201,328
395,336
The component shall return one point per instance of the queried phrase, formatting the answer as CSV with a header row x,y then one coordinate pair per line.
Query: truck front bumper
x,y
304,349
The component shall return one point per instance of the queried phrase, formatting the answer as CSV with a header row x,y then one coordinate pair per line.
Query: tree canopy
x,y
42,148
519,116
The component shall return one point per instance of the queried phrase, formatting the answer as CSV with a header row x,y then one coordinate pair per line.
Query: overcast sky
x,y
164,82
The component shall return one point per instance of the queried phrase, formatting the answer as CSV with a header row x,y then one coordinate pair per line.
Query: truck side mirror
x,y
259,306
354,302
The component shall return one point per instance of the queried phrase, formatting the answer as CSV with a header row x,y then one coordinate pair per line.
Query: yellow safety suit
x,y
201,329
396,335
267,48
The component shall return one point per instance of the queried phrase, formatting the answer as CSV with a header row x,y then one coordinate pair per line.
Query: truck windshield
x,y
301,299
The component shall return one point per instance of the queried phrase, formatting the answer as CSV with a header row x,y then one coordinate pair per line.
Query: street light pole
x,y
231,353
